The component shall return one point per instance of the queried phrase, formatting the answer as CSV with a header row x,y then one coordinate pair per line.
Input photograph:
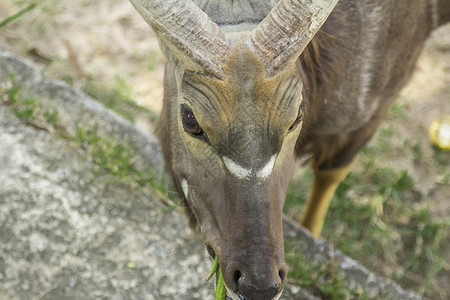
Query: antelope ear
x,y
283,35
190,35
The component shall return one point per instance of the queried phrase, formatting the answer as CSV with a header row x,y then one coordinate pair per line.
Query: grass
x,y
17,15
325,280
380,218
43,20
46,8
117,98
114,159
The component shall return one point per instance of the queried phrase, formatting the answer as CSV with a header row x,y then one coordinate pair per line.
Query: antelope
x,y
250,86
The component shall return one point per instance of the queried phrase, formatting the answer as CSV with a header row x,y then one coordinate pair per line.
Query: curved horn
x,y
282,36
192,37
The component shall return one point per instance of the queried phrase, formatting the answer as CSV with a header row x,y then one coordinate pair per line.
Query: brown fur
x,y
320,66
443,8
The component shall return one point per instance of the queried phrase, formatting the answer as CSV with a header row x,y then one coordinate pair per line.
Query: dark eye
x,y
190,124
298,119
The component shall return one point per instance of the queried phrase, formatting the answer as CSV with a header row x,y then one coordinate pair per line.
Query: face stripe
x,y
185,187
267,169
244,173
235,169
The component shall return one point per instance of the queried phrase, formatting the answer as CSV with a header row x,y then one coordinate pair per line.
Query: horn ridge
x,y
282,36
191,36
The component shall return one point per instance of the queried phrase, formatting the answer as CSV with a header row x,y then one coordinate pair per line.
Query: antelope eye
x,y
190,124
298,120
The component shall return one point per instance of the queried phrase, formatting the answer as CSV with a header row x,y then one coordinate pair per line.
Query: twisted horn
x,y
191,36
283,35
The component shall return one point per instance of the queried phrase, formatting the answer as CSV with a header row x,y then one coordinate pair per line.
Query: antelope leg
x,y
325,183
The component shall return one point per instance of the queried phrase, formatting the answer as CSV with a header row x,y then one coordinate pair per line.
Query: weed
x,y
326,280
118,98
30,111
398,111
17,15
114,159
442,163
23,108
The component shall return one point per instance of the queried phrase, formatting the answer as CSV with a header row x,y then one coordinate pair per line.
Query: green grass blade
x,y
213,269
17,15
221,291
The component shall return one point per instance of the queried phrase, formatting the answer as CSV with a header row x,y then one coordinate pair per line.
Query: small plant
x,y
30,111
119,161
116,159
326,280
119,98
17,15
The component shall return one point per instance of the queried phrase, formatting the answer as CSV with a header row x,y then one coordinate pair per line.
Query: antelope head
x,y
235,118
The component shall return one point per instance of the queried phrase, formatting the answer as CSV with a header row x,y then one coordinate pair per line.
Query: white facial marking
x,y
268,168
368,53
185,187
235,169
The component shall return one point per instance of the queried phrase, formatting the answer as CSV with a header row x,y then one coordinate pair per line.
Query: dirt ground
x,y
80,41
86,40
100,41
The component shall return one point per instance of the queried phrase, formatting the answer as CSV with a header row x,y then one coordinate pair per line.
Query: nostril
x,y
260,286
282,274
248,292
236,276
211,251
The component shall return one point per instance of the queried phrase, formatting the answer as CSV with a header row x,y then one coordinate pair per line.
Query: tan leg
x,y
325,184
